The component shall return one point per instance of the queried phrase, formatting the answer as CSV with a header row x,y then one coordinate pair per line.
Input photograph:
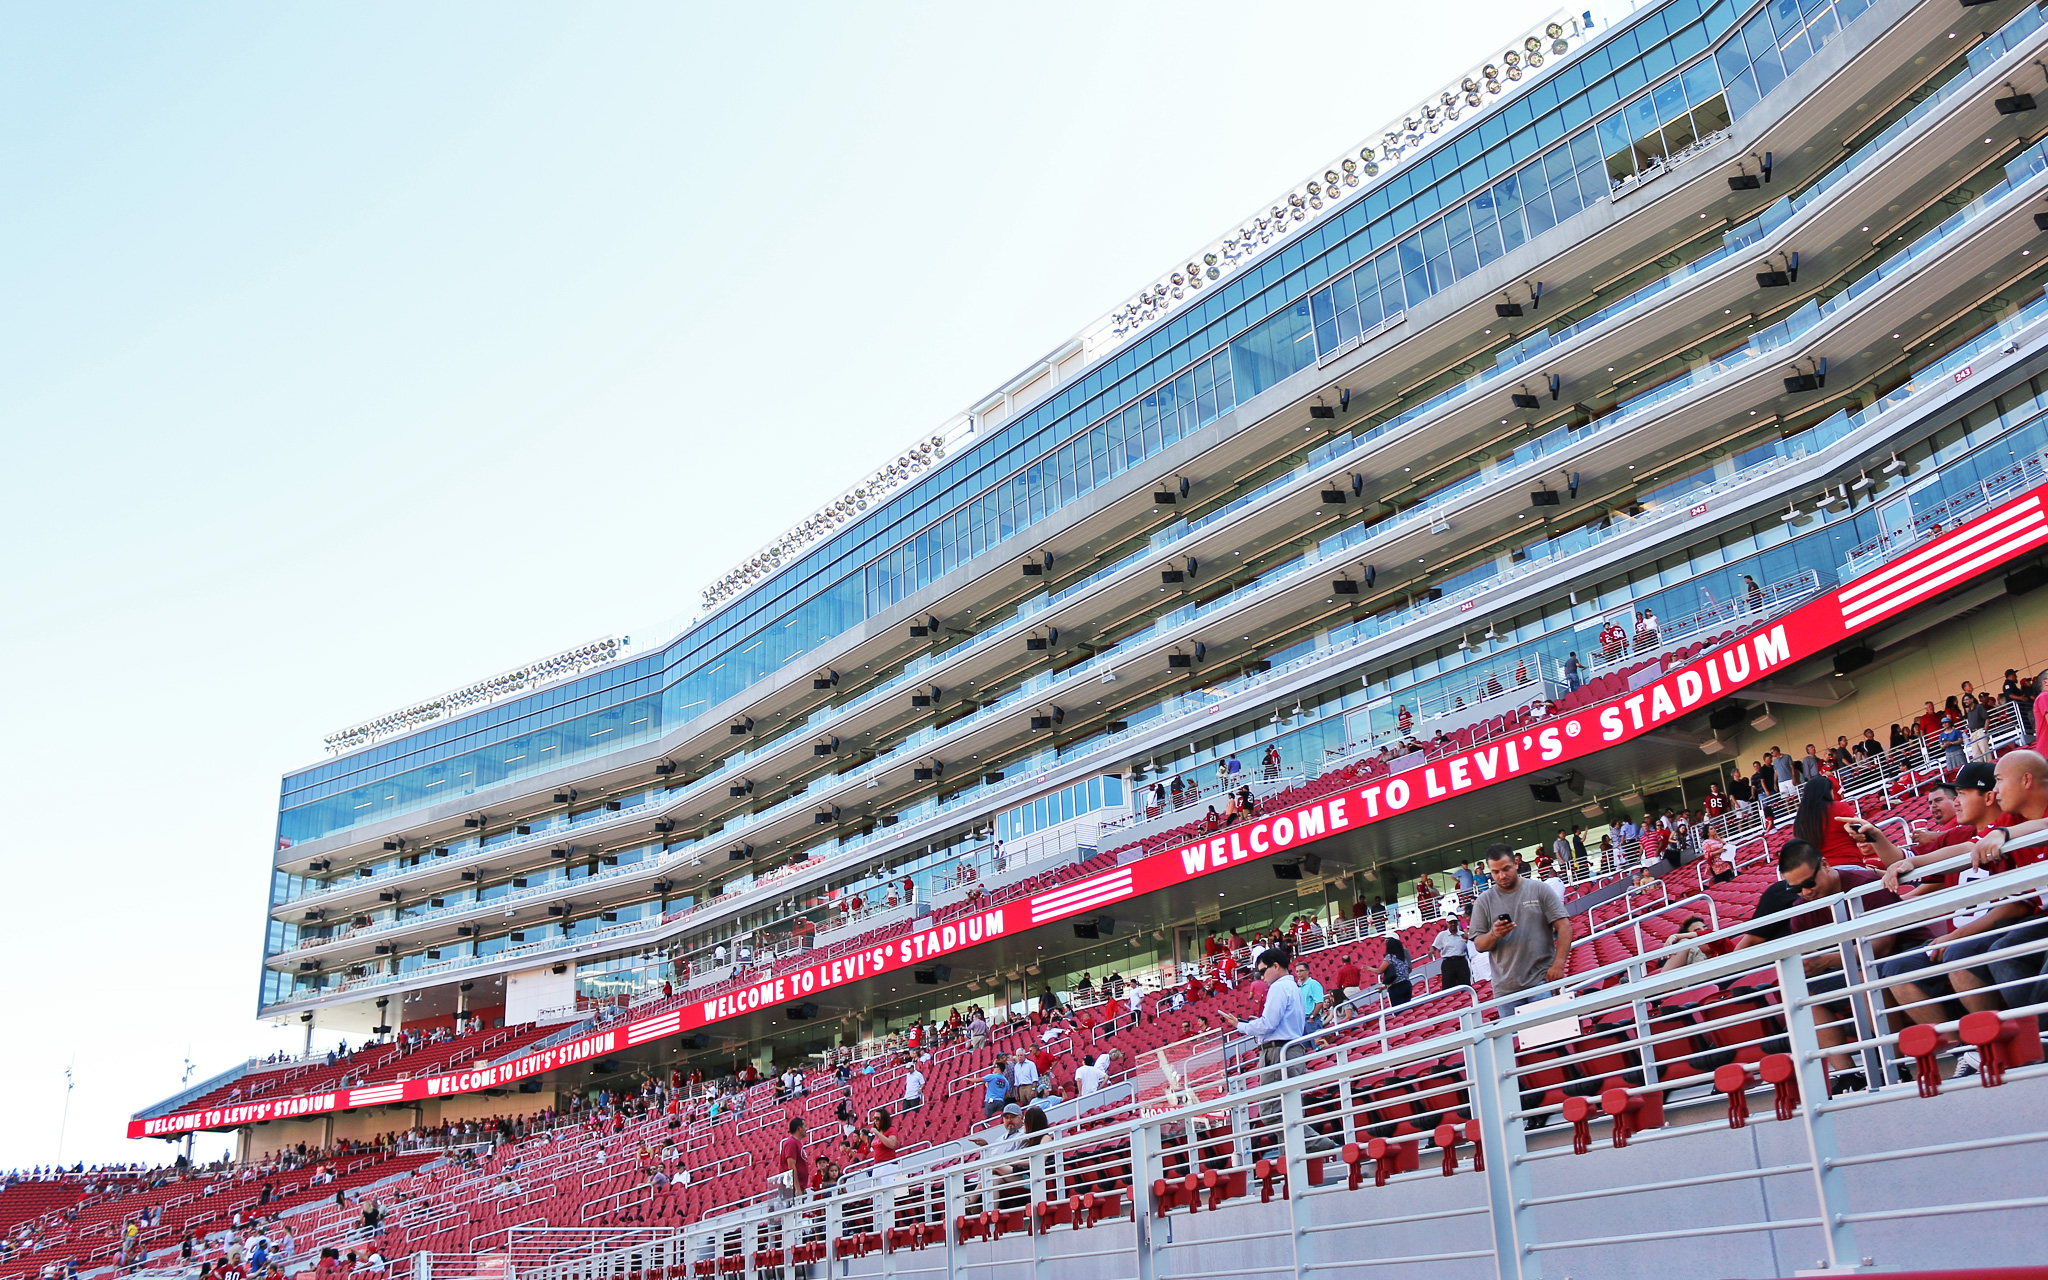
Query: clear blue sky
x,y
349,353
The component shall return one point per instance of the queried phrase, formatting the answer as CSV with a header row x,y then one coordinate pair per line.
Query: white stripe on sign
x,y
1107,887
379,1093
1945,564
1894,574
655,1027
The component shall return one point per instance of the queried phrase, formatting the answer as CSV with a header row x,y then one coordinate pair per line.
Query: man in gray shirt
x,y
1781,766
1521,925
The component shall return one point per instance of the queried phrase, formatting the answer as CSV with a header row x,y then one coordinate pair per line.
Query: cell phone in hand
x,y
1503,918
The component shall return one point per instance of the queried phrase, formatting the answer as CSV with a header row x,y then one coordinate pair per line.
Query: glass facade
x,y
1609,118
1250,331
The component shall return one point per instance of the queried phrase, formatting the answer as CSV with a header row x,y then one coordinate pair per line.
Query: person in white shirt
x,y
1450,944
913,1089
1090,1077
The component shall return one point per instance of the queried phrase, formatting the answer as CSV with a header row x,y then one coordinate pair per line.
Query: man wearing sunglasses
x,y
1282,1019
1804,875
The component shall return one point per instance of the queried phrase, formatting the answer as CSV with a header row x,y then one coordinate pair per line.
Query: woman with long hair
x,y
882,1143
1393,971
1815,822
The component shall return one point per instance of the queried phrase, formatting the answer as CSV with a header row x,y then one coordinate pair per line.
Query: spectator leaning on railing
x,y
2022,793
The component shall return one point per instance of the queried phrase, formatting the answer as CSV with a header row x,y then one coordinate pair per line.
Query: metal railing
x,y
1500,1135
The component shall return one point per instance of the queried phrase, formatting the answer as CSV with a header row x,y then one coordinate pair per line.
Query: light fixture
x,y
1463,644
1862,480
1896,464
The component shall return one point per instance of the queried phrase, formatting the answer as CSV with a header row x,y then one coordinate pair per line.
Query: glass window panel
x,y
1702,81
1621,155
1731,59
1486,236
1564,186
1711,117
1432,241
1344,293
1679,135
1787,23
1670,100
1507,199
1742,93
1642,119
1367,313
1388,266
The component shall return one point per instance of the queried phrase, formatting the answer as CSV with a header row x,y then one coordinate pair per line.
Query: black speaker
x,y
2025,580
1544,791
1850,659
1287,871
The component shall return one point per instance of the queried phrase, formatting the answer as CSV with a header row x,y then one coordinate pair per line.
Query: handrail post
x,y
1810,1063
955,1206
1144,1244
1294,1144
1496,1092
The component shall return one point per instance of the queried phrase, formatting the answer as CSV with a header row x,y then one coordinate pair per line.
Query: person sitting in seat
x,y
1805,877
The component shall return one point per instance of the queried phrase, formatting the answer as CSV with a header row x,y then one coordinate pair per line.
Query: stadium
x,y
1016,866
